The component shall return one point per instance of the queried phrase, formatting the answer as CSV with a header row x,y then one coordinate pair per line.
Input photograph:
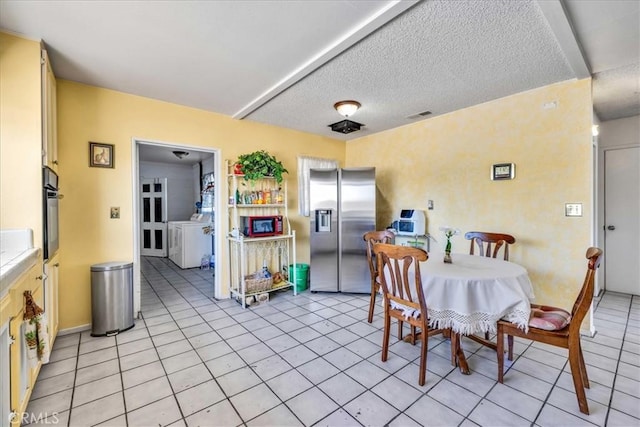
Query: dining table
x,y
470,294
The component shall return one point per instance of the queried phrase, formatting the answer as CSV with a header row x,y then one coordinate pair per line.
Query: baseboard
x,y
74,330
588,333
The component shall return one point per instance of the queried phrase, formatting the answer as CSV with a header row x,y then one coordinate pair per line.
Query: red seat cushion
x,y
549,318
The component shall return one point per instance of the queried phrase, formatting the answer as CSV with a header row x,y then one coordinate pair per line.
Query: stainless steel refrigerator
x,y
343,208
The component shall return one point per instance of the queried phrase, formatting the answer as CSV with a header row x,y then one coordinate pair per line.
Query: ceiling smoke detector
x,y
181,154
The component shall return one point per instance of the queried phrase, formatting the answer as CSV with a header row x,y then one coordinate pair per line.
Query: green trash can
x,y
301,274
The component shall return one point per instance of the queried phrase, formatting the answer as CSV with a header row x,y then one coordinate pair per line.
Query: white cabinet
x,y
49,115
22,375
5,367
248,255
51,285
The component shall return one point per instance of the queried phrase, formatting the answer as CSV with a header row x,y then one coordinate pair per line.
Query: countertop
x,y
17,255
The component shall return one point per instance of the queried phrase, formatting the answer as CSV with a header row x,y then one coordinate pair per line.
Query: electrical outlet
x,y
115,213
430,205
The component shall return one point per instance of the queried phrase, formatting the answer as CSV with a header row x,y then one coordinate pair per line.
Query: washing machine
x,y
188,241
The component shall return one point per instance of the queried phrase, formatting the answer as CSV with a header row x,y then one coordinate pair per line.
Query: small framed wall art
x,y
501,171
101,155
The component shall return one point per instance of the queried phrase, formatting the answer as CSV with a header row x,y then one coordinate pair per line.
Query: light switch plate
x,y
115,213
430,205
573,209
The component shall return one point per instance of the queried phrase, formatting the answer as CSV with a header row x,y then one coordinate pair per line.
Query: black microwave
x,y
261,226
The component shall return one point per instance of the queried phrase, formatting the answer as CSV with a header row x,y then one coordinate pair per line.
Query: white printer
x,y
411,222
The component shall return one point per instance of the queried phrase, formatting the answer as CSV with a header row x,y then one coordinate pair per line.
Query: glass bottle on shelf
x,y
265,270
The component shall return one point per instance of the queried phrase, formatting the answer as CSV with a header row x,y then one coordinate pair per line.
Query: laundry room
x,y
177,191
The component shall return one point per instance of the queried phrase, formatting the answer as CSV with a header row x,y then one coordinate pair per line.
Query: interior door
x,y
153,209
622,220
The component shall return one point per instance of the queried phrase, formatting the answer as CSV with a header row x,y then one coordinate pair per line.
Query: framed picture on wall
x,y
101,155
501,171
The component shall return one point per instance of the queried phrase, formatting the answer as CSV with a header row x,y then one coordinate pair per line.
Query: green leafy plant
x,y
259,164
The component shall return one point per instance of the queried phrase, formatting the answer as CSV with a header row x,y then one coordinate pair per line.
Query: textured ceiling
x,y
610,37
287,62
439,56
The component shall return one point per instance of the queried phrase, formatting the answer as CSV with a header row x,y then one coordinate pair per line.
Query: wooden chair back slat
x,y
486,241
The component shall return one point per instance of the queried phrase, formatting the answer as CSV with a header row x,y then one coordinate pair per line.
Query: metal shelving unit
x,y
247,255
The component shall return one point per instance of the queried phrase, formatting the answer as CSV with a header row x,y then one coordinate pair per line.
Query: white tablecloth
x,y
474,292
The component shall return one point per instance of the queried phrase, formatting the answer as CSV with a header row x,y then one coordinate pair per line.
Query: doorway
x,y
182,204
622,220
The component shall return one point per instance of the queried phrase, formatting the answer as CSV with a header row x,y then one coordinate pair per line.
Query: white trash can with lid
x,y
111,298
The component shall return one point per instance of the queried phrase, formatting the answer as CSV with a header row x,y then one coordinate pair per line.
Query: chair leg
x,y
455,343
510,342
576,373
583,369
385,336
400,330
452,335
372,303
500,353
423,356
413,335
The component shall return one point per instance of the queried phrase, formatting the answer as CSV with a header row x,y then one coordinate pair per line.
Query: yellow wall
x,y
20,135
87,234
448,159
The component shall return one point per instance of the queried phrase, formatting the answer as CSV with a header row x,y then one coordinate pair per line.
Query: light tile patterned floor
x,y
314,360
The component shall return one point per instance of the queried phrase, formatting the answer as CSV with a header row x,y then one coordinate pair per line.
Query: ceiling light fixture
x,y
347,108
181,154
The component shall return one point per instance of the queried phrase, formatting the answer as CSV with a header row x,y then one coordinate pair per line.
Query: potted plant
x,y
259,164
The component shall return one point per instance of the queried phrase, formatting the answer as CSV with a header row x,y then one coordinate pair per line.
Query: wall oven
x,y
50,212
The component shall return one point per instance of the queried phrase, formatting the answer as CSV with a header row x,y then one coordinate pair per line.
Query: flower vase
x,y
447,252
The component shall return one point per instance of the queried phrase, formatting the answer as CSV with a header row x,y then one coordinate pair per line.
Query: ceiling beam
x,y
357,33
560,25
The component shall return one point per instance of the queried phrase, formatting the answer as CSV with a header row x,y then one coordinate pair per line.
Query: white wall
x,y
620,133
180,187
208,165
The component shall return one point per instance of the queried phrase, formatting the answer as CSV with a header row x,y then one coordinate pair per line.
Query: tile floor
x,y
314,360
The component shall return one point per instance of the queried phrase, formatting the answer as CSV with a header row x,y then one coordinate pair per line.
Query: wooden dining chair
x,y
404,297
558,327
371,238
486,241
